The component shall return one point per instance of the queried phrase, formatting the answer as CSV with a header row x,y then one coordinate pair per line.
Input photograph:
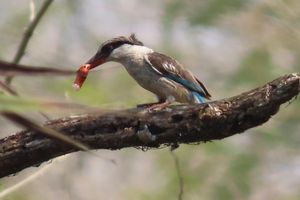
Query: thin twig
x,y
11,69
179,175
27,35
32,10
12,92
8,89
34,20
30,29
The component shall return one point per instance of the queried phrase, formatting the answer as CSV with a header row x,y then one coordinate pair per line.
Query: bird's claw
x,y
159,106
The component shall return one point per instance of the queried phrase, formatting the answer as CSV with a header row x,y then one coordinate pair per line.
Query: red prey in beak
x,y
83,71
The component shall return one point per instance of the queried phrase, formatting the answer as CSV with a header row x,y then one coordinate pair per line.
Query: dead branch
x,y
30,29
179,175
27,35
139,128
11,69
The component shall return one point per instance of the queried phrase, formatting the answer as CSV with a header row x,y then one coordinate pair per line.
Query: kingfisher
x,y
155,72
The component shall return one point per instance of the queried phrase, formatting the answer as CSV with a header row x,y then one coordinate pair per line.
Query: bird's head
x,y
105,53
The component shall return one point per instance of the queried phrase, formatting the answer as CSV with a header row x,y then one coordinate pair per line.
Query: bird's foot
x,y
159,106
146,105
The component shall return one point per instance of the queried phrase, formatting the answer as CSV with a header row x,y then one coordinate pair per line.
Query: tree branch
x,y
138,128
11,69
29,31
27,35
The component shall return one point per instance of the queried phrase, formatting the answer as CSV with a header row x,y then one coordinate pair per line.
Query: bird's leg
x,y
147,104
151,104
160,106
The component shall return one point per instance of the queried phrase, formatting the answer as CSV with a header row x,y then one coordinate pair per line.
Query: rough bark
x,y
139,128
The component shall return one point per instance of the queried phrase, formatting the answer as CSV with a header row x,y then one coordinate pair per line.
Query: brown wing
x,y
170,68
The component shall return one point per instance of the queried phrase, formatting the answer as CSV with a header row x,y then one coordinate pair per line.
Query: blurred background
x,y
232,46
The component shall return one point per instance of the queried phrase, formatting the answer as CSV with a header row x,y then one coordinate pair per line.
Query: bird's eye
x,y
106,49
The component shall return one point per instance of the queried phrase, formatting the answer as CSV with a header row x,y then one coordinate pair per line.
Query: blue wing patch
x,y
188,84
196,90
198,97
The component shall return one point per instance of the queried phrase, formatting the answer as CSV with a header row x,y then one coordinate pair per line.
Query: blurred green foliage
x,y
200,12
206,12
255,69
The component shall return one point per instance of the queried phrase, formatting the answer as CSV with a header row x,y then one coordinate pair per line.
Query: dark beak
x,y
83,71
